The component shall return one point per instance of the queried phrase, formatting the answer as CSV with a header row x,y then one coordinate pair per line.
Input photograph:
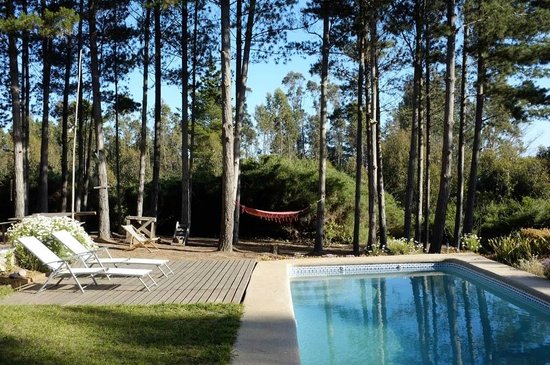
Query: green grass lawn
x,y
158,334
5,290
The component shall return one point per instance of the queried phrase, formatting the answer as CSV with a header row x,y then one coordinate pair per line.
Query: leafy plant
x,y
546,267
510,249
471,242
400,246
43,228
532,266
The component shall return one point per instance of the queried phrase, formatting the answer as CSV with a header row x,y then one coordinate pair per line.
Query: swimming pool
x,y
437,313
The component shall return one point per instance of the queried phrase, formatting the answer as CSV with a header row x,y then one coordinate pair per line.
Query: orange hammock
x,y
273,216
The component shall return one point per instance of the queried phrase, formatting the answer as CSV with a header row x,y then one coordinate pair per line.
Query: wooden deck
x,y
202,281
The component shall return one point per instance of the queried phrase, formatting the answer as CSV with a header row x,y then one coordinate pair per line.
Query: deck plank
x,y
194,281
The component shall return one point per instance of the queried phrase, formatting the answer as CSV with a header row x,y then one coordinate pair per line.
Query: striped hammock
x,y
278,217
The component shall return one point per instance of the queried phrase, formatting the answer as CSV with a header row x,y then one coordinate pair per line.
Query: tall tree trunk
x,y
427,176
26,108
371,135
411,173
81,135
193,102
242,77
383,228
185,173
319,234
238,121
19,199
87,165
145,88
104,231
45,140
472,180
359,143
228,175
158,116
460,165
448,123
118,210
65,127
419,169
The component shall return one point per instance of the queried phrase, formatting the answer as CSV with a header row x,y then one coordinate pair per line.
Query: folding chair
x,y
138,239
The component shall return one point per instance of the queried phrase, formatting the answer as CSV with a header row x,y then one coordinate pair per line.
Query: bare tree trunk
x,y
87,166
419,169
472,181
383,229
242,77
319,235
45,140
193,104
158,116
26,108
359,143
460,165
19,201
239,108
64,128
409,200
80,123
145,89
118,210
228,176
448,123
185,194
427,177
104,231
371,136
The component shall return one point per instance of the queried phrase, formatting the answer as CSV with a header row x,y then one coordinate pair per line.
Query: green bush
x,y
509,215
43,228
401,246
471,242
282,184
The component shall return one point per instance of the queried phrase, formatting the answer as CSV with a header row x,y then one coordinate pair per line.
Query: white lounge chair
x,y
138,239
91,258
62,269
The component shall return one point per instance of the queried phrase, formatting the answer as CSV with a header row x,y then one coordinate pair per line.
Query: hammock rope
x,y
279,217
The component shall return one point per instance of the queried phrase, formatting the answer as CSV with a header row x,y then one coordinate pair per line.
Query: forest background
x,y
383,71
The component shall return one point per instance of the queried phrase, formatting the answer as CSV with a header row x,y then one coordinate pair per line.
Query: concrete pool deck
x,y
268,330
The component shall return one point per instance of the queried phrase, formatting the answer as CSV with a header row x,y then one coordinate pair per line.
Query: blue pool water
x,y
437,317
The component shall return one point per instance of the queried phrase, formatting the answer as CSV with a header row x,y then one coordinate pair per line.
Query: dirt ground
x,y
206,248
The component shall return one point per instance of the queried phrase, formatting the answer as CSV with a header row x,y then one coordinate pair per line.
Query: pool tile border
x,y
296,272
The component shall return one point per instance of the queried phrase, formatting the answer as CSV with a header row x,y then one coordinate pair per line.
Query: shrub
x,y
510,249
532,266
471,242
42,228
546,267
400,246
